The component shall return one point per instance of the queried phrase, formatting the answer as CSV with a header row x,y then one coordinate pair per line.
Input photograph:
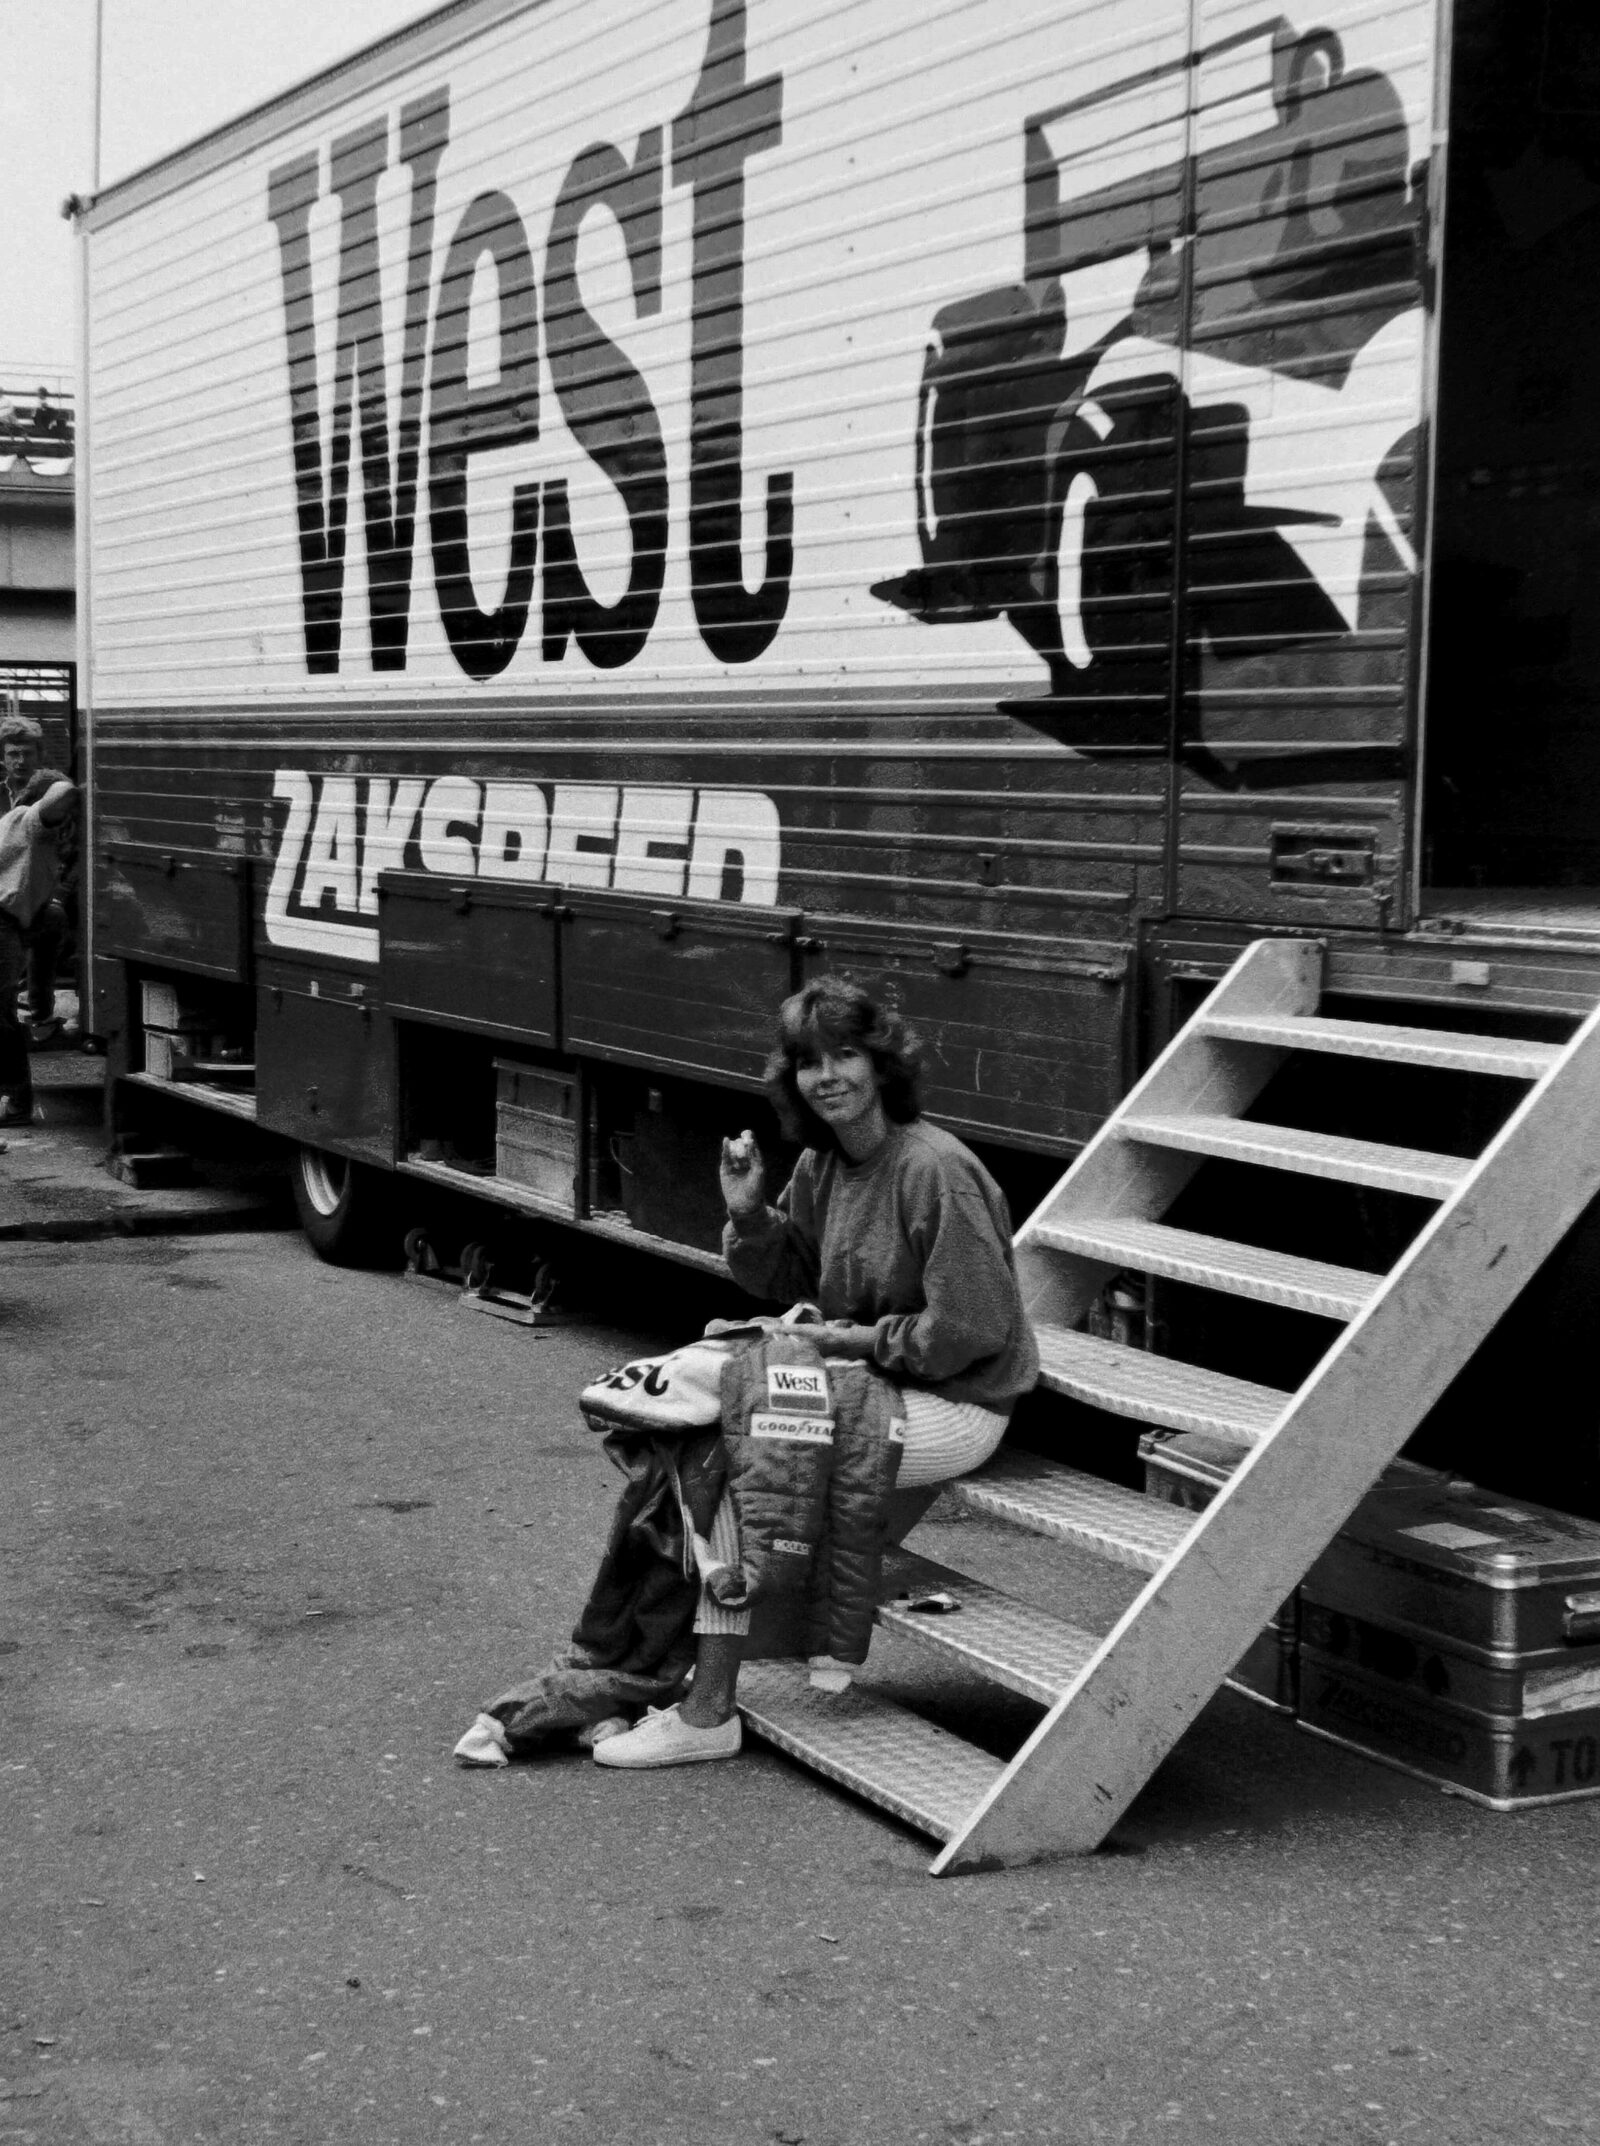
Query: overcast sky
x,y
173,69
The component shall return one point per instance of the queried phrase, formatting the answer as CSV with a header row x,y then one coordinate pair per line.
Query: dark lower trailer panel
x,y
577,1054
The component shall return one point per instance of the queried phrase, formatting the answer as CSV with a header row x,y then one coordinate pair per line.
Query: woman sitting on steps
x,y
901,1236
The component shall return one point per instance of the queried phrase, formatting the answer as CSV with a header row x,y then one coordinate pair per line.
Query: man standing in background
x,y
30,867
21,750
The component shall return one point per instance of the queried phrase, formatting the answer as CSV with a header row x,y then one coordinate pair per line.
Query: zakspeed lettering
x,y
604,401
341,831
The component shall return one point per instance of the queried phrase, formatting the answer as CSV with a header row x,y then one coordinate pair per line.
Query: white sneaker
x,y
664,1738
484,1744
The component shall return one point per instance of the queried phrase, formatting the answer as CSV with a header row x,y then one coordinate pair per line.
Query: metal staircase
x,y
1116,1705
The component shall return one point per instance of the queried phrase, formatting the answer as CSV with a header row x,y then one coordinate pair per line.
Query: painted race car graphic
x,y
1204,313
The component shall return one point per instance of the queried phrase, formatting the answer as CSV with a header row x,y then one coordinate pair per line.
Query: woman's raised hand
x,y
744,1177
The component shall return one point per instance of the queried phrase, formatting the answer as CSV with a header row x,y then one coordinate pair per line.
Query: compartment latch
x,y
1305,856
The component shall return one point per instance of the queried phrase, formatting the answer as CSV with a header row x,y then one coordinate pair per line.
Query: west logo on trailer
x,y
605,401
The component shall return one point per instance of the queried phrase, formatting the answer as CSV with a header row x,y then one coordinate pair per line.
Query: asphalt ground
x,y
56,1182
272,1532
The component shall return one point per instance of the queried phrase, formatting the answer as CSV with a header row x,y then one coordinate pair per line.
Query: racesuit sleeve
x,y
776,1253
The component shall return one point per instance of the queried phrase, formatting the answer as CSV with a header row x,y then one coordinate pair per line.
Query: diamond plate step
x,y
860,1739
1011,1642
1285,1147
1154,1389
1048,1499
1511,1057
1242,1270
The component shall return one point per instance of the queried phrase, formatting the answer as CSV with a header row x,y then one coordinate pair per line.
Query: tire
x,y
345,1209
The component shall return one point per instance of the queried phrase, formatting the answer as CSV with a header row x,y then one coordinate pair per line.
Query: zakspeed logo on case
x,y
341,831
809,1430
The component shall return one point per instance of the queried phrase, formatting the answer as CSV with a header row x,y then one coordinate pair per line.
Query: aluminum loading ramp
x,y
1116,1705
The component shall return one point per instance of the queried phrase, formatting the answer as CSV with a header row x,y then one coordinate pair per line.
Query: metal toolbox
x,y
1188,1468
536,1130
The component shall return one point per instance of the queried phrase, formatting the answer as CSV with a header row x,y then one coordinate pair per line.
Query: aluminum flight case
x,y
1455,1632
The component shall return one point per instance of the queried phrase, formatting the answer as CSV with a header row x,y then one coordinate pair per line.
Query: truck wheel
x,y
345,1210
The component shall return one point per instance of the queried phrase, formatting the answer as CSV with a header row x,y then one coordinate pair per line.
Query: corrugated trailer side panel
x,y
633,450
1309,342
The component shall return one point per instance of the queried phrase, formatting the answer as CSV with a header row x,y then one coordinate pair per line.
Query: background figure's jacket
x,y
813,1447
914,1242
30,863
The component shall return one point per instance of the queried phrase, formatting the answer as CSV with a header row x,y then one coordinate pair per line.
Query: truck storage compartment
x,y
178,910
668,1162
197,1031
690,986
1023,1038
325,1061
536,1129
478,954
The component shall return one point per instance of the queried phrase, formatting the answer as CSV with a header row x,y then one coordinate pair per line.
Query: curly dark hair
x,y
826,1014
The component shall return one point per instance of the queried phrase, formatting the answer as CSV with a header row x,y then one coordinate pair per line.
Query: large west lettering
x,y
606,405
464,421
727,121
604,399
361,395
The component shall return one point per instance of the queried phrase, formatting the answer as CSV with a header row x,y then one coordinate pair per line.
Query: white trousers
x,y
943,1439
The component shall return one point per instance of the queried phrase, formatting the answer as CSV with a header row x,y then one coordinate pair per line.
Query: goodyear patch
x,y
800,1386
809,1430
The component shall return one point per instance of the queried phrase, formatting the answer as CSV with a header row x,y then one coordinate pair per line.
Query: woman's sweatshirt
x,y
916,1242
